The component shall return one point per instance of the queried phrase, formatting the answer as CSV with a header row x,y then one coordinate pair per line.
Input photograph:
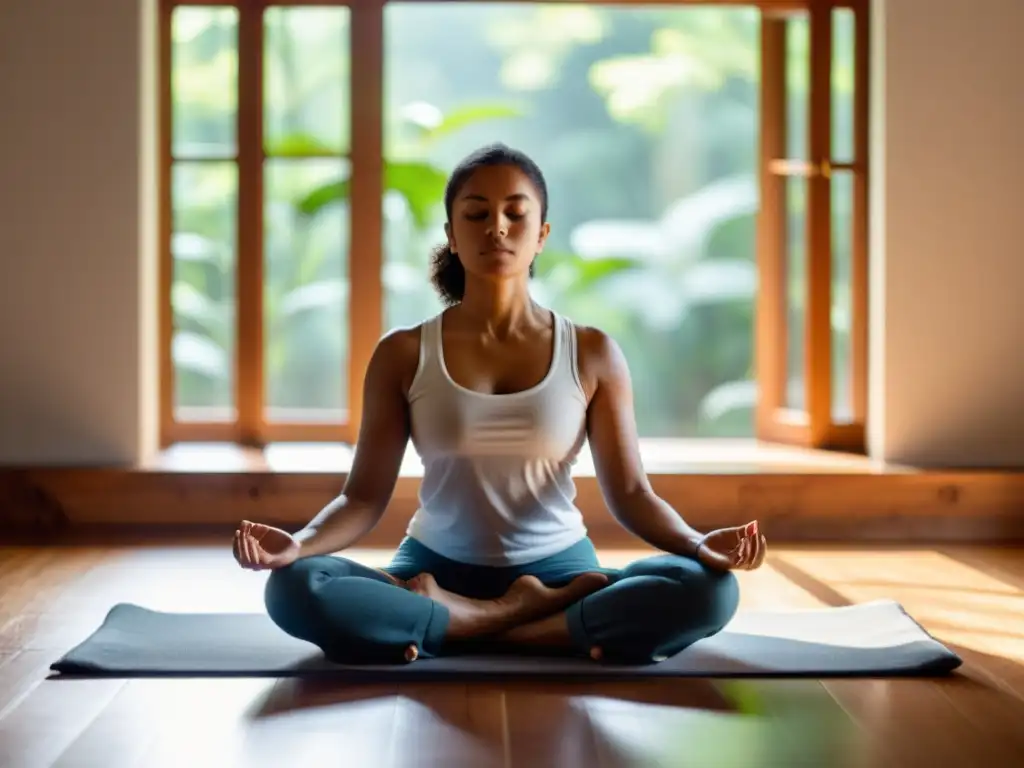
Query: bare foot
x,y
525,601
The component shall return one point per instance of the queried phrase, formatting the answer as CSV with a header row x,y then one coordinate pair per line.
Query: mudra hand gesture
x,y
737,548
260,547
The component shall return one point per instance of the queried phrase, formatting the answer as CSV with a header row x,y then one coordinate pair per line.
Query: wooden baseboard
x,y
898,507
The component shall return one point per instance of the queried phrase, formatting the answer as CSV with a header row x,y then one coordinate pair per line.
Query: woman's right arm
x,y
380,448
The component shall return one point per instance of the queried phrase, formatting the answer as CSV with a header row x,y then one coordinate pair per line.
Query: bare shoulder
x,y
600,359
396,356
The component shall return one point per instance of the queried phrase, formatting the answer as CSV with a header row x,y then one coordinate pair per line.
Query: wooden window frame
x,y
813,426
366,84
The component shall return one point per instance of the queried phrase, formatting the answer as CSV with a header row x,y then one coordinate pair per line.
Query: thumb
x,y
714,558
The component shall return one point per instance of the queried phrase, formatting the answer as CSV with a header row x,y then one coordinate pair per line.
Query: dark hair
x,y
446,271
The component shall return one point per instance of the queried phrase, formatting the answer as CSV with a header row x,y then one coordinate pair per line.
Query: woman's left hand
x,y
738,548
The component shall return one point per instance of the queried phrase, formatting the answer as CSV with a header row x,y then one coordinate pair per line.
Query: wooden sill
x,y
660,457
795,494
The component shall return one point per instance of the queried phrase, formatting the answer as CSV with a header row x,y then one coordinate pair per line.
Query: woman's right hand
x,y
260,547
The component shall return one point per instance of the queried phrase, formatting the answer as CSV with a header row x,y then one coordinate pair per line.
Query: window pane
x,y
843,43
796,291
203,250
306,80
842,296
204,81
306,291
653,189
798,74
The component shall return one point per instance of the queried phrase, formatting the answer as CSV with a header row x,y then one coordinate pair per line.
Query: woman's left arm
x,y
612,431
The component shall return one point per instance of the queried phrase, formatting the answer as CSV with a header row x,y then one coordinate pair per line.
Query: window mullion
x,y
249,384
367,187
818,329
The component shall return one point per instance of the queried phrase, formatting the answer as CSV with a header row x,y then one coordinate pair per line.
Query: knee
x,y
283,588
288,594
717,599
712,597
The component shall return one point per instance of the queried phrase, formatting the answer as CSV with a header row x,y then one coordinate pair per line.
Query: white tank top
x,y
497,486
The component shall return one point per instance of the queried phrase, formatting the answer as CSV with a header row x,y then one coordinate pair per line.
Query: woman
x,y
498,395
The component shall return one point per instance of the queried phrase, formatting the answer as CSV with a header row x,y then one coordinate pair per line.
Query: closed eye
x,y
481,215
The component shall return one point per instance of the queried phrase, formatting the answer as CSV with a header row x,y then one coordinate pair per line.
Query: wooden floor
x,y
51,597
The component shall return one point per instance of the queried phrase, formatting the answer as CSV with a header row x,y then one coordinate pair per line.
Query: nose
x,y
498,229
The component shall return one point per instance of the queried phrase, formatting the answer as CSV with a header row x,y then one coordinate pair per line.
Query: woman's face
x,y
496,229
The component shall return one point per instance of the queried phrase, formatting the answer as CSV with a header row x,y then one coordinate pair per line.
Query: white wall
x,y
72,386
76,255
948,246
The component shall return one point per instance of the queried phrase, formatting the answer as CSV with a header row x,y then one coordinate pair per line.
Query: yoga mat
x,y
877,639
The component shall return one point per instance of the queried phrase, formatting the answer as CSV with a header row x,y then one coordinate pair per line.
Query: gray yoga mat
x,y
876,638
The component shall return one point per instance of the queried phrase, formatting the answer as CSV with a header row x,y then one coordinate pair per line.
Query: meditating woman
x,y
498,395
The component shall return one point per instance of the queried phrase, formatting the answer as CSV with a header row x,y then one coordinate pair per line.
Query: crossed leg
x,y
649,610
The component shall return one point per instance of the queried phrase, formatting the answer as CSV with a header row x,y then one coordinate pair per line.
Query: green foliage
x,y
298,145
420,184
467,116
644,121
321,197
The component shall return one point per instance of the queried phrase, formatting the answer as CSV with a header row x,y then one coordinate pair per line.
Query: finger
x,y
734,550
252,559
235,550
753,551
748,551
762,552
744,549
243,550
722,562
257,551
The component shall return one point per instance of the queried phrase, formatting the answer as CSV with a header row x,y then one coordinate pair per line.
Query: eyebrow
x,y
518,196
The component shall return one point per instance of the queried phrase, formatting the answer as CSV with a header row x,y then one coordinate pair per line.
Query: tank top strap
x,y
428,369
568,348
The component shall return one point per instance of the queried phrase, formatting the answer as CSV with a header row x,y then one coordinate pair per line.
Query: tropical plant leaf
x,y
323,196
591,271
420,184
463,117
300,145
570,271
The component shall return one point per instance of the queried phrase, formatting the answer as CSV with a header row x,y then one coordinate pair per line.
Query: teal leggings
x,y
650,610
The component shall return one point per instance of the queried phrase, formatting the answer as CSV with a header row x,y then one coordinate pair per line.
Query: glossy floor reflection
x,y
968,597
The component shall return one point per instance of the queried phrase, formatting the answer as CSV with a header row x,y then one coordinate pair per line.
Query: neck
x,y
498,307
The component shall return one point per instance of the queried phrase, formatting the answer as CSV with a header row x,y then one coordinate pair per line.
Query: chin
x,y
499,265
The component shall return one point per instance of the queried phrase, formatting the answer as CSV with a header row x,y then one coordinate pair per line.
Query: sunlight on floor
x,y
955,602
